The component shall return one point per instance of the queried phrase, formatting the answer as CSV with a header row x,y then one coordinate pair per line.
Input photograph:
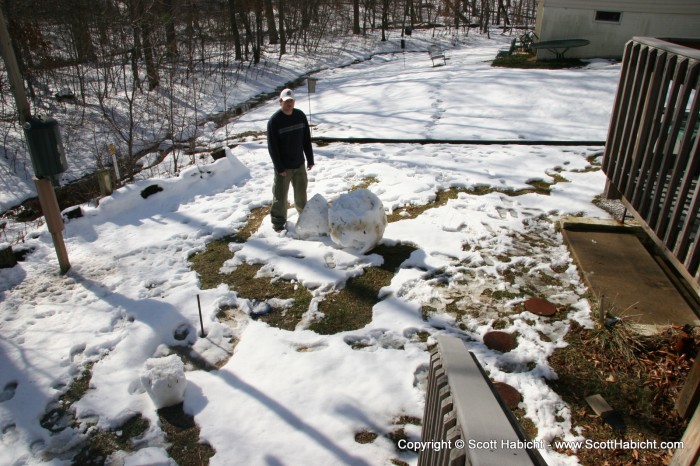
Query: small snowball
x,y
313,220
164,380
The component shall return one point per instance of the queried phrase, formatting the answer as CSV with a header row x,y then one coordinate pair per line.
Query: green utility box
x,y
45,147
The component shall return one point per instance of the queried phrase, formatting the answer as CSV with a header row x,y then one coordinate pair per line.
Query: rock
x,y
218,153
7,256
64,94
150,190
164,380
357,220
500,341
73,212
540,306
313,220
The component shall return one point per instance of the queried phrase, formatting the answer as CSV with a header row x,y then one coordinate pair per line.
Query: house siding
x,y
569,19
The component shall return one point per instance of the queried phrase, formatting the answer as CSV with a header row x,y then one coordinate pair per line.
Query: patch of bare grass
x,y
101,444
365,183
183,436
442,197
261,290
208,263
351,307
365,437
530,61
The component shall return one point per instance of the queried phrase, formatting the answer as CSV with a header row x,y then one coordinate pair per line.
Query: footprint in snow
x,y
8,434
504,212
376,339
420,376
77,350
309,347
9,391
184,332
416,335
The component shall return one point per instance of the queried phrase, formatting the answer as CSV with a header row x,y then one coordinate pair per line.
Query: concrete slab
x,y
615,264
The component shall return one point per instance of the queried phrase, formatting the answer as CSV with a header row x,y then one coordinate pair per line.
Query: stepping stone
x,y
605,411
500,341
510,396
540,306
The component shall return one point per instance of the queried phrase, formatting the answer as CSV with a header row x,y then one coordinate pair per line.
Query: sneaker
x,y
277,228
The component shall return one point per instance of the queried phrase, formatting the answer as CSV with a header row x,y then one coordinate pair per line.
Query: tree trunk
x,y
170,35
283,34
485,18
385,18
151,69
249,36
356,17
135,54
271,28
79,27
82,43
234,29
257,49
504,11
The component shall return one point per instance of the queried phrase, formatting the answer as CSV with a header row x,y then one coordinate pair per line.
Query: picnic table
x,y
560,46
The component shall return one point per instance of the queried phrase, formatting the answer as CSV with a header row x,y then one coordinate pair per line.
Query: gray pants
x,y
280,190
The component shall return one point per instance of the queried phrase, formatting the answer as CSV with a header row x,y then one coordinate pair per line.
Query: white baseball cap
x,y
287,94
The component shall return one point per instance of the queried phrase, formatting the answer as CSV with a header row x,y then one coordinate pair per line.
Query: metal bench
x,y
509,51
437,55
463,409
525,42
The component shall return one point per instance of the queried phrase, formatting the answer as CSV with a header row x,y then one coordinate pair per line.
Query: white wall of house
x,y
599,22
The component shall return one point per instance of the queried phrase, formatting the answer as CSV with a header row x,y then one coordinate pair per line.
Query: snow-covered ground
x,y
297,397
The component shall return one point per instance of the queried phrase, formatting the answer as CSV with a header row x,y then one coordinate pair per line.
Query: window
x,y
608,16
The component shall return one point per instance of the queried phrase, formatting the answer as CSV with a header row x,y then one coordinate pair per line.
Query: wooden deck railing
x,y
465,422
652,159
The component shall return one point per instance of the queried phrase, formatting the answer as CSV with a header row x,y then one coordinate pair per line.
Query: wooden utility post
x,y
44,187
13,74
54,220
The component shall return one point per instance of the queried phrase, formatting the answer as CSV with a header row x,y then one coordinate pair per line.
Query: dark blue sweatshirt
x,y
288,139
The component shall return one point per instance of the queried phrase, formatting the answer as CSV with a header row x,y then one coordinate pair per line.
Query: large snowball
x,y
357,220
313,220
164,380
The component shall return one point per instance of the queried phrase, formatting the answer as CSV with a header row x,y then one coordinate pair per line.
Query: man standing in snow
x,y
288,141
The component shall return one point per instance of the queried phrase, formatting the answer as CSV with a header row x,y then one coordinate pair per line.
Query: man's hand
x,y
283,173
309,167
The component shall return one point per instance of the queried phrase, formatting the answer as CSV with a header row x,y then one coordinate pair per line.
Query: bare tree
x,y
270,16
282,31
148,53
356,17
484,19
233,10
167,13
385,18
